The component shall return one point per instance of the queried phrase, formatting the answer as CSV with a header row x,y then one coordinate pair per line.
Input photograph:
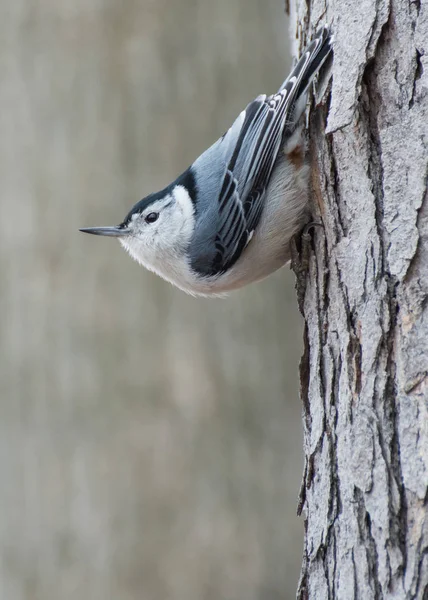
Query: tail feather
x,y
306,68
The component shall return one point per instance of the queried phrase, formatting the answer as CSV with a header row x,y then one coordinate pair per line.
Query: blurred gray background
x,y
150,444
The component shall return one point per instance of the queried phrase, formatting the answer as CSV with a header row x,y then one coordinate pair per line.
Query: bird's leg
x,y
300,247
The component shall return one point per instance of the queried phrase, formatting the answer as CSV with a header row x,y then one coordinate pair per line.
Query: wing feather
x,y
247,174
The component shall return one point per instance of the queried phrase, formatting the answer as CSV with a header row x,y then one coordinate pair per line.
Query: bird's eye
x,y
151,217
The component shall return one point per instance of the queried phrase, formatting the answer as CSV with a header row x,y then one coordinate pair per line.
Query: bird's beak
x,y
116,231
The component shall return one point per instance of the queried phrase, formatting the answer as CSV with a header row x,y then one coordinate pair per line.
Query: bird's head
x,y
157,227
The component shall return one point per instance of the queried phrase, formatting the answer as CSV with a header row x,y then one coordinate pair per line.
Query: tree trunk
x,y
364,372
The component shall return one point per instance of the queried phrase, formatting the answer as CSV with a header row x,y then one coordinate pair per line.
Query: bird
x,y
228,219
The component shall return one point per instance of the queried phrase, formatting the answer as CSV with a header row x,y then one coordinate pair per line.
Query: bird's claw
x,y
300,247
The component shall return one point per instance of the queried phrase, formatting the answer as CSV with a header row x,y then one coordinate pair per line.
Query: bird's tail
x,y
306,68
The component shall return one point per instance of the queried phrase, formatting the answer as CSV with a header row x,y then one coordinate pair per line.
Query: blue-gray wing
x,y
248,152
247,175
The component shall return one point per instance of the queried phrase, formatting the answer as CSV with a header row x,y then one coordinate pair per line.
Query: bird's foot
x,y
300,247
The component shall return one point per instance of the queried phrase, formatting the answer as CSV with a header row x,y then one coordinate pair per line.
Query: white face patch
x,y
161,246
181,196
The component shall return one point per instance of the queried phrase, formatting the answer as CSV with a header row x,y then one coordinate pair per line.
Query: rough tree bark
x,y
364,373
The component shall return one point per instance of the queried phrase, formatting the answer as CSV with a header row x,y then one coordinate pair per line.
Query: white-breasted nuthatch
x,y
228,219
